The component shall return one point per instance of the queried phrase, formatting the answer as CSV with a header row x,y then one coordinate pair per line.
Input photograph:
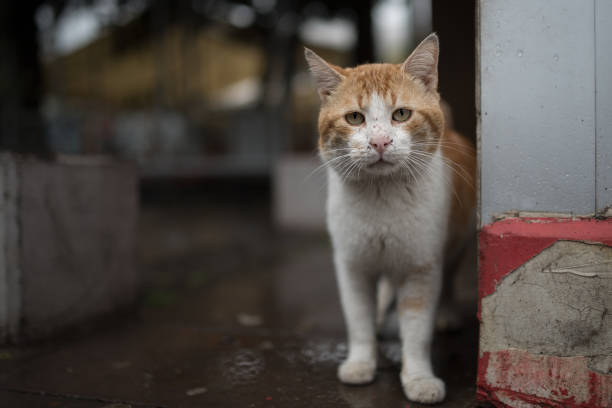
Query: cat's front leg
x,y
357,294
417,300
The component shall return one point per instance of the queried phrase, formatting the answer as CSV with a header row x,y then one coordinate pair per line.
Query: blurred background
x,y
202,88
211,103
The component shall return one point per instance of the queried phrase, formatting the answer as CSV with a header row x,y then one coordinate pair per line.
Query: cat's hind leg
x,y
417,298
357,294
384,298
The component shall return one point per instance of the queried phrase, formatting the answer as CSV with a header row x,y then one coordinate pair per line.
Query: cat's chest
x,y
391,217
377,209
389,223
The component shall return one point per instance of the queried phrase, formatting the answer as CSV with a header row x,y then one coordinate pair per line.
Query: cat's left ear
x,y
423,62
326,77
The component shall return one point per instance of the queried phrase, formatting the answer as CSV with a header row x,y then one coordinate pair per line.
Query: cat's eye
x,y
354,118
401,115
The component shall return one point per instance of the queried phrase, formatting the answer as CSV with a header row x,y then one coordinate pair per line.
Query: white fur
x,y
384,223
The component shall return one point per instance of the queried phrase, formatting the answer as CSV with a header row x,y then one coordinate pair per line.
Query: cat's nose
x,y
380,143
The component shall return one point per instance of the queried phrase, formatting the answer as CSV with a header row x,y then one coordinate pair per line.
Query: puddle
x,y
242,367
315,352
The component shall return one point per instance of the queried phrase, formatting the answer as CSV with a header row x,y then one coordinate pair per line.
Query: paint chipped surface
x,y
520,379
545,292
551,313
508,244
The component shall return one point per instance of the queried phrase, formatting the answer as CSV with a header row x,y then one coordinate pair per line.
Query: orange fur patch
x,y
390,83
461,156
412,303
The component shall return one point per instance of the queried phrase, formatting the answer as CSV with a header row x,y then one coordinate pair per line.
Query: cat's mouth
x,y
380,163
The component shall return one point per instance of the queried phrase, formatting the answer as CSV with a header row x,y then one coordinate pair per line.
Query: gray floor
x,y
234,314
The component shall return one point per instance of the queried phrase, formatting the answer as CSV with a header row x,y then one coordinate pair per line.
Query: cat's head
x,y
379,119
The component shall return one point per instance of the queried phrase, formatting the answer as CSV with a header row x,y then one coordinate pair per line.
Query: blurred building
x,y
191,93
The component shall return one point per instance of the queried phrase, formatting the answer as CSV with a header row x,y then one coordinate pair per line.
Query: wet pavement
x,y
235,314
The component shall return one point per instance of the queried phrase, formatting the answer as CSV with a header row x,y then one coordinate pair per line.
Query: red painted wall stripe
x,y
508,244
541,380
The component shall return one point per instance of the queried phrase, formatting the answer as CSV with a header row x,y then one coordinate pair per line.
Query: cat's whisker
x,y
352,169
425,160
325,164
346,169
436,142
460,148
339,149
405,166
357,167
455,167
443,176
419,167
408,168
359,171
342,168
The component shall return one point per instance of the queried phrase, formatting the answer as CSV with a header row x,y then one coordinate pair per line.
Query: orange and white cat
x,y
400,199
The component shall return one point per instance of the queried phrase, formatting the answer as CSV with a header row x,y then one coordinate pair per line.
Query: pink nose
x,y
380,143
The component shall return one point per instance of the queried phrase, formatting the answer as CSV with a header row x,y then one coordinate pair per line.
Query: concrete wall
x,y
545,144
603,103
10,266
545,106
67,242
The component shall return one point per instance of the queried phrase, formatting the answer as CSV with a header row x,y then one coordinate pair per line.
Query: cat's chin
x,y
381,168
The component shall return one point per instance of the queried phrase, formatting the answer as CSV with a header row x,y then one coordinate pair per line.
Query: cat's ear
x,y
325,76
423,62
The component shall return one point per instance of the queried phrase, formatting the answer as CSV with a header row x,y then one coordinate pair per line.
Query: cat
x,y
400,198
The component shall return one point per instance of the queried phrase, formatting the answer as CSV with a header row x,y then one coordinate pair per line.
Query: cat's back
x,y
460,156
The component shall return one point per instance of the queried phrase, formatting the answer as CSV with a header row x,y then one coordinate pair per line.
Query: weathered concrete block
x,y
545,298
68,241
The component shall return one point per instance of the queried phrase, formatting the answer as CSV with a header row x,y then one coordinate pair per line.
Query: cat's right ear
x,y
325,76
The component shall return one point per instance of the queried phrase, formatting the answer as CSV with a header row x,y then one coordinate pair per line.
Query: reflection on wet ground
x,y
235,314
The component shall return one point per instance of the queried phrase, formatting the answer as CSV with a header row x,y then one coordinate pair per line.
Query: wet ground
x,y
234,314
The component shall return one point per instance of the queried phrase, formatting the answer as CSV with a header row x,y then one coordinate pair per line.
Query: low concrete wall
x,y
545,294
67,242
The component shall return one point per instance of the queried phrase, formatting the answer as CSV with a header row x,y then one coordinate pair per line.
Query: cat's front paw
x,y
357,372
426,390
